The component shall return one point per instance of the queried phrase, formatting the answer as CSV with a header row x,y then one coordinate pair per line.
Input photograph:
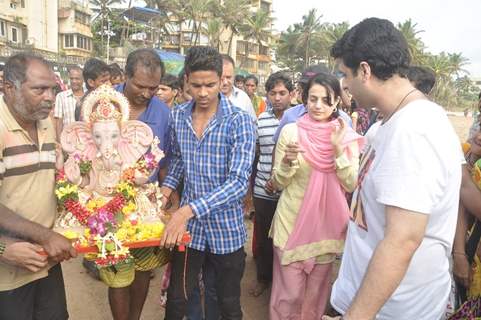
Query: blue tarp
x,y
173,61
141,14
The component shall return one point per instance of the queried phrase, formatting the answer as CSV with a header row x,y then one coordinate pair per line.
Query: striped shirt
x,y
65,103
216,170
266,128
27,179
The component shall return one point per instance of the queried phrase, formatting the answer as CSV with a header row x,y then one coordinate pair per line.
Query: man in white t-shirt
x,y
404,210
238,97
422,79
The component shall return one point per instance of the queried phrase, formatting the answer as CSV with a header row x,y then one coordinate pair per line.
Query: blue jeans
x,y
194,307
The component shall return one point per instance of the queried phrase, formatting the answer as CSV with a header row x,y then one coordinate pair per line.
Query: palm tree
x,y
169,8
457,62
257,27
287,52
197,12
233,13
331,33
102,10
445,67
415,44
309,32
212,30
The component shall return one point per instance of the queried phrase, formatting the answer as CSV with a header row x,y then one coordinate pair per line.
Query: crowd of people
x,y
355,164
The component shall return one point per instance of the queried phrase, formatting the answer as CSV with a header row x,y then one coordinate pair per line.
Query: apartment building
x,y
74,33
57,29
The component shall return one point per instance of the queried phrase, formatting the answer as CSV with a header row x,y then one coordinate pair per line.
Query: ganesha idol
x,y
107,190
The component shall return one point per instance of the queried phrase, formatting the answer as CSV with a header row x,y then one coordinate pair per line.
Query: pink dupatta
x,y
324,211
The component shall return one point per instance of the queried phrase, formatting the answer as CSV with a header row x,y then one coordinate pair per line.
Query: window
x,y
265,6
264,66
14,34
253,48
264,50
241,60
187,37
2,28
83,43
81,17
22,3
69,41
241,47
172,39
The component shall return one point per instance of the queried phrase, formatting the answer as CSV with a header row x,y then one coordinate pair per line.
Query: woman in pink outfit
x,y
316,162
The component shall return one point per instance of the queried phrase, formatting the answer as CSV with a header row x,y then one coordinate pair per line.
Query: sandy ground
x,y
87,298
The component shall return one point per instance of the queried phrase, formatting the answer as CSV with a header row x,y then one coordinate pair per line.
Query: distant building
x,y
163,30
74,33
476,81
29,24
251,56
59,30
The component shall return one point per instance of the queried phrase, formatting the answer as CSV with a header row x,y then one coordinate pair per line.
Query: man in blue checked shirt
x,y
212,150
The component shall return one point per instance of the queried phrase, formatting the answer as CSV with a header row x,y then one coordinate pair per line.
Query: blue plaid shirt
x,y
216,169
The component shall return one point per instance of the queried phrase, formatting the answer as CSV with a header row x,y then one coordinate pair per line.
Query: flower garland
x,y
111,223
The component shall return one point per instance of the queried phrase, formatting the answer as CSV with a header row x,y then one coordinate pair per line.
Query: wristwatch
x,y
2,248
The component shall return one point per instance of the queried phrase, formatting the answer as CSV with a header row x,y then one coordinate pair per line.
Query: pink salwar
x,y
300,290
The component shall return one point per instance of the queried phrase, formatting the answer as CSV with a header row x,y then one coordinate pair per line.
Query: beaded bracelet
x,y
2,248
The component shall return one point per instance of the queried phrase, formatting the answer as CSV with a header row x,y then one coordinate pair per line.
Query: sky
x,y
452,26
448,25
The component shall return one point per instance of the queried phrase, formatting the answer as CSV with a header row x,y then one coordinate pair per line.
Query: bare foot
x,y
258,289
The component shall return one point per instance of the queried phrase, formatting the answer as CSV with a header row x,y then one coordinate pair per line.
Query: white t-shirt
x,y
370,134
414,163
241,100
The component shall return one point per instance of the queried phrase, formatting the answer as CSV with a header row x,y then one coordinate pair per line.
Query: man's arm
x,y
470,194
233,189
58,127
461,265
175,170
56,245
58,116
404,233
22,254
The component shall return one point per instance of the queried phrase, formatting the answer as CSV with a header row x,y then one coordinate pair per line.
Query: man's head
x,y
143,71
251,84
1,77
239,81
279,90
184,92
29,84
116,74
369,53
75,78
227,74
95,73
421,78
203,71
168,89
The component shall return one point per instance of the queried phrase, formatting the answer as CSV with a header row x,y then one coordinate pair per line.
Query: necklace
x,y
398,106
